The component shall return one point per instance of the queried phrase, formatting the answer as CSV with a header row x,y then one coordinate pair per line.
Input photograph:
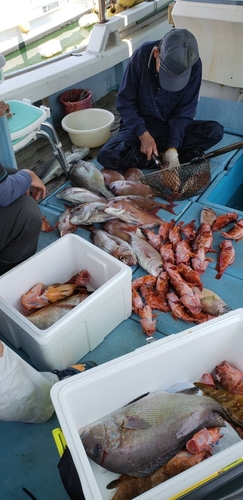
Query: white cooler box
x,y
83,328
85,398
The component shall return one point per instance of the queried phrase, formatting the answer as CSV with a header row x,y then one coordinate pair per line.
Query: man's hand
x,y
172,158
5,109
38,188
148,145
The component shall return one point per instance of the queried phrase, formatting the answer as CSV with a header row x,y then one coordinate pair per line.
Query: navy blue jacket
x,y
143,104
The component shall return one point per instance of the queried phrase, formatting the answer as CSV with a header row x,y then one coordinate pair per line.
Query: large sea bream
x,y
140,437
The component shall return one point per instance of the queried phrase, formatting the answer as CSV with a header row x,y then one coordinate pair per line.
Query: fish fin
x,y
213,419
115,483
137,399
208,259
226,309
189,390
135,422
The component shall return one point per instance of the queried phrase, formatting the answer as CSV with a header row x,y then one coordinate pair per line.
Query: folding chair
x,y
27,123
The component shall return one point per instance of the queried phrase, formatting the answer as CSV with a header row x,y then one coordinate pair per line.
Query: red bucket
x,y
76,99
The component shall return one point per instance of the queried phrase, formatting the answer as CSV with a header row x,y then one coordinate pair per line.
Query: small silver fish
x,y
78,195
115,246
55,169
89,213
148,258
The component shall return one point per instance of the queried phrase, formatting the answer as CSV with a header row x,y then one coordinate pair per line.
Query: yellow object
x,y
119,8
24,26
111,12
209,478
115,9
126,3
60,440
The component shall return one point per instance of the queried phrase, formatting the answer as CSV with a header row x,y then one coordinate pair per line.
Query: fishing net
x,y
180,183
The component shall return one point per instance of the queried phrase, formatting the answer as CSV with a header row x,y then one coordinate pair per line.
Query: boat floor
x,y
29,455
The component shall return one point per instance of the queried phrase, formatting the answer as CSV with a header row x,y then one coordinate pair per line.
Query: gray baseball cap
x,y
178,53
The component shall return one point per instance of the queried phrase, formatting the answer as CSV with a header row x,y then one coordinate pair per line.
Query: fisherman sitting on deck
x,y
157,102
20,216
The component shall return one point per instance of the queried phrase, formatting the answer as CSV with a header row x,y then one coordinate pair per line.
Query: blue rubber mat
x,y
225,193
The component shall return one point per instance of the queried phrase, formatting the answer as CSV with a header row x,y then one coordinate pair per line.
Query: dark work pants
x,y
123,150
20,226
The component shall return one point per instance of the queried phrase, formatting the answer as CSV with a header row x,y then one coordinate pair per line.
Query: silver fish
x,y
47,316
139,438
148,258
85,174
78,195
55,169
114,246
89,213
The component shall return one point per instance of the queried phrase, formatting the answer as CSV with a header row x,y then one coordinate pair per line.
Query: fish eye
x,y
96,449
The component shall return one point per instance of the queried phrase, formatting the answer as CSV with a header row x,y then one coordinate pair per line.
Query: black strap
x,y
69,476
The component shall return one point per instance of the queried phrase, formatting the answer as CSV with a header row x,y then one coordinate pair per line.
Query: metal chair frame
x,y
21,137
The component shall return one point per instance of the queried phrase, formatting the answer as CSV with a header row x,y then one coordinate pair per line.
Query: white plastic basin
x,y
88,127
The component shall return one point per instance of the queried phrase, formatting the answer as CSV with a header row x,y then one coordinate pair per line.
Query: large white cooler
x,y
84,327
85,398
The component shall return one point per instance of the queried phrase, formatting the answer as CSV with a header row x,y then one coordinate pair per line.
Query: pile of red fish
x,y
184,250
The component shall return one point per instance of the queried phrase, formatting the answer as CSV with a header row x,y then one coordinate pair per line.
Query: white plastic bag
x,y
24,392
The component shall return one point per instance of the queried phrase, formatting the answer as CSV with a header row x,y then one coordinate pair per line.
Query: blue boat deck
x,y
29,455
